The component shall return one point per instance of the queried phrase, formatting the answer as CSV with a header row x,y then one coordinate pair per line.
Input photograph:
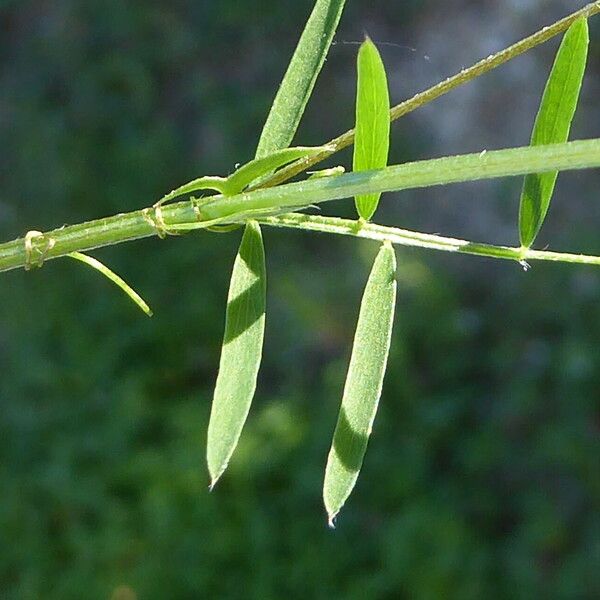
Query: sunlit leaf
x,y
244,175
114,278
241,353
301,75
552,125
372,137
363,382
258,167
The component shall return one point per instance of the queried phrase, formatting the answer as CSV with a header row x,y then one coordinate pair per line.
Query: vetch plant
x,y
258,194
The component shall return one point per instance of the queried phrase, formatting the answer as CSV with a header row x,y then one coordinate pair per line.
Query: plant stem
x,y
466,75
451,169
405,237
92,234
270,201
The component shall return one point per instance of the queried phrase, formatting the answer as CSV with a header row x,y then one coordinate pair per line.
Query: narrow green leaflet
x,y
301,75
363,382
208,182
552,125
241,353
258,167
372,137
112,276
246,174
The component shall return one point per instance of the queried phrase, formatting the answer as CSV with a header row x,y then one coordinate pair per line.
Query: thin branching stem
x,y
405,237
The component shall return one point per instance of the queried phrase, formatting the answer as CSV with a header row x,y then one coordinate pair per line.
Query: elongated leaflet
x,y
363,382
300,77
552,125
372,137
258,167
244,175
241,353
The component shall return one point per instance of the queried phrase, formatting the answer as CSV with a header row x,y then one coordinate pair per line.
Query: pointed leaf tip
x,y
364,382
241,352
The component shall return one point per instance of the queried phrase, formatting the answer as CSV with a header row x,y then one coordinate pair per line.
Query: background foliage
x,y
481,478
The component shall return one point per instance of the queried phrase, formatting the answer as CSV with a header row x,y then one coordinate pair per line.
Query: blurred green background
x,y
482,476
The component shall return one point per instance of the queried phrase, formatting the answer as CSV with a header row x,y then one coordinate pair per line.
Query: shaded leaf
x,y
363,382
241,353
372,137
300,77
552,125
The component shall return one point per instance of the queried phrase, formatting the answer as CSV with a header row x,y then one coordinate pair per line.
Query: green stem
x,y
405,237
452,169
422,98
91,234
270,201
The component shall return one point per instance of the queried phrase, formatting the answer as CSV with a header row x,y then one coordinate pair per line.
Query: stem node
x,y
30,248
